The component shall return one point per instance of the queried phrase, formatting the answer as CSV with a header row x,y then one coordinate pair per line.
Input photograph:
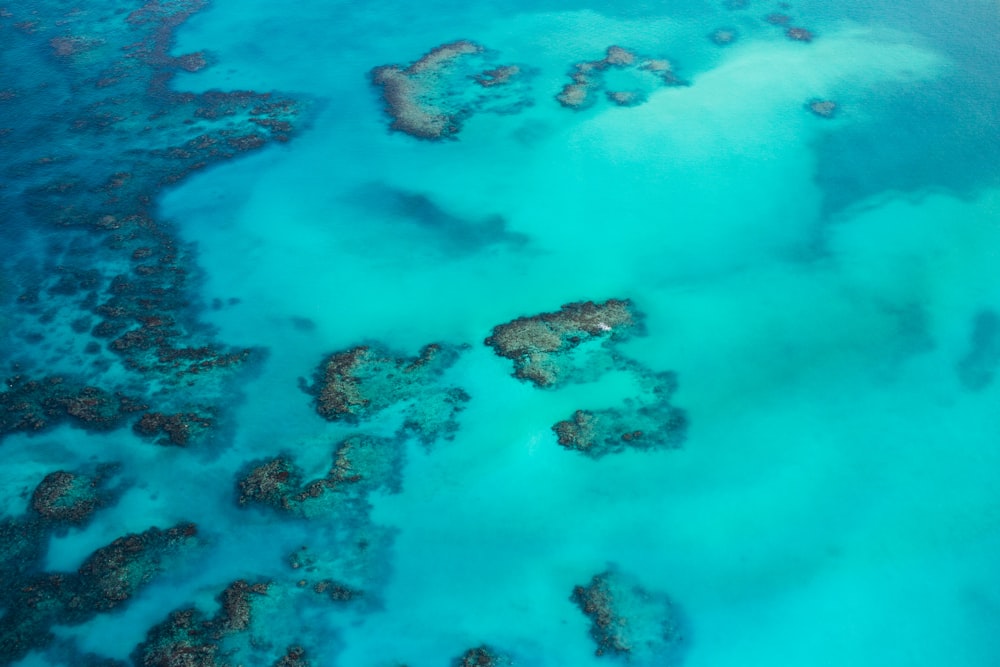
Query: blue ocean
x,y
554,333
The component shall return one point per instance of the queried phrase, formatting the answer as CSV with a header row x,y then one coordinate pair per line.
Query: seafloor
x,y
568,332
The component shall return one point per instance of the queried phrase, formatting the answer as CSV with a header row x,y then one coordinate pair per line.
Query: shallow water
x,y
815,284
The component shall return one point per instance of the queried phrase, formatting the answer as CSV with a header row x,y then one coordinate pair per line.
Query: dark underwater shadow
x,y
431,224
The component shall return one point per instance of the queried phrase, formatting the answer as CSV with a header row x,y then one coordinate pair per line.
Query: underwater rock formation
x,y
590,77
361,464
545,347
432,97
629,621
356,385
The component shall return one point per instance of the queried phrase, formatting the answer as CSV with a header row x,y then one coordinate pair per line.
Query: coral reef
x,y
81,182
72,498
358,384
590,77
543,347
822,108
630,621
799,35
723,36
172,429
481,656
433,96
34,405
361,464
646,422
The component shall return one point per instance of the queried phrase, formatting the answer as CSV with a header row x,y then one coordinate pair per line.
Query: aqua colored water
x,y
824,290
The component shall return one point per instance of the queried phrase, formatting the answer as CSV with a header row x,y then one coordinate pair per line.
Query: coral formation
x,y
361,464
630,621
799,35
822,108
543,347
433,96
34,405
84,178
481,656
978,366
723,36
72,498
172,429
590,77
358,384
646,422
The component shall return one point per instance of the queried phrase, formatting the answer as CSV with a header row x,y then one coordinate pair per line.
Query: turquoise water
x,y
823,289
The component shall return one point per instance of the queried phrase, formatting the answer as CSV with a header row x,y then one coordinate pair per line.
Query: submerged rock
x,y
543,346
629,621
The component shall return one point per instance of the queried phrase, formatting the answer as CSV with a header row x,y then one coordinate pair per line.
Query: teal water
x,y
814,283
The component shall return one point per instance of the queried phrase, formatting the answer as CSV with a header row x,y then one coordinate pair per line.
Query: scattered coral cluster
x,y
629,621
547,348
361,464
432,97
590,78
578,343
87,246
481,656
34,405
359,384
648,421
34,600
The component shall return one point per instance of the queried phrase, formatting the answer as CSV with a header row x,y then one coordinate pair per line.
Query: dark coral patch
x,y
433,96
645,422
543,346
358,384
590,77
629,621
34,405
172,429
72,498
361,464
481,656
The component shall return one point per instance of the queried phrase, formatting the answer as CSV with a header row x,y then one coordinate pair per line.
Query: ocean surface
x,y
805,227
